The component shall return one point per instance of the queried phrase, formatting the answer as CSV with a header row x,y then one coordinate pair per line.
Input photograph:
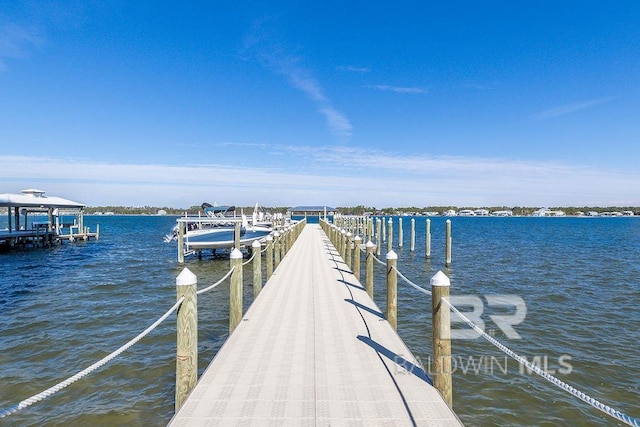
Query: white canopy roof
x,y
36,198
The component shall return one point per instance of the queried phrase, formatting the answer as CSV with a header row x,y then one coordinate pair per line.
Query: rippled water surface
x,y
64,308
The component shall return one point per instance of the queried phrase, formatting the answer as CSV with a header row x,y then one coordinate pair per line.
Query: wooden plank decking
x,y
314,350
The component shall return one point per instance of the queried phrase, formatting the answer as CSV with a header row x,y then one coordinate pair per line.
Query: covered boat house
x,y
312,213
33,219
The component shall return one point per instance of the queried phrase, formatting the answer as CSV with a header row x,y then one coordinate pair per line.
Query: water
x,y
64,308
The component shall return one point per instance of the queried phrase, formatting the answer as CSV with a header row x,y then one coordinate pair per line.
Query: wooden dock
x,y
314,350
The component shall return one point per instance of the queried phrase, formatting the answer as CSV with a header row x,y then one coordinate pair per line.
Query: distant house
x,y
312,213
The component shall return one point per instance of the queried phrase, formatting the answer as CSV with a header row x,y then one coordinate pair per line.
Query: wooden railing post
x,y
276,249
343,244
369,270
412,235
356,257
269,258
181,242
378,235
390,236
447,262
236,235
427,253
235,290
441,325
392,290
256,248
348,250
187,336
283,242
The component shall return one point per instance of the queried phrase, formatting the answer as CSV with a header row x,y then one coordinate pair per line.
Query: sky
x,y
382,104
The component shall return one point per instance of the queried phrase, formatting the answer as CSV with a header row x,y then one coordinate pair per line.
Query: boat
x,y
466,212
217,229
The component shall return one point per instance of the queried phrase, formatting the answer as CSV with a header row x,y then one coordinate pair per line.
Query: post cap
x,y
235,254
269,237
348,234
276,234
392,255
186,278
357,238
440,279
370,244
256,244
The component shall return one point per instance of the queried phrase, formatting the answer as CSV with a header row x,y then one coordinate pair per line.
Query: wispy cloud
x,y
278,60
334,175
398,89
16,41
568,109
354,69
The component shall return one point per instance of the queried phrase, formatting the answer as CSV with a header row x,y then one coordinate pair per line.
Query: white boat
x,y
547,212
216,230
505,212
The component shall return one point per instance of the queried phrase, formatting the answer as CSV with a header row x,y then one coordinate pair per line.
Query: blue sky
x,y
410,104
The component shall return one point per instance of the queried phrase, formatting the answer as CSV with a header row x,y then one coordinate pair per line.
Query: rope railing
x,y
559,383
56,388
409,282
532,367
620,416
379,260
247,262
207,289
236,282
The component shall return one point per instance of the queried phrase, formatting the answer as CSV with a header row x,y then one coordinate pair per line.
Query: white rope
x,y
379,261
249,260
50,391
202,291
561,384
423,290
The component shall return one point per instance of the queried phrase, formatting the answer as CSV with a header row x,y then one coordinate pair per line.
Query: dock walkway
x,y
314,350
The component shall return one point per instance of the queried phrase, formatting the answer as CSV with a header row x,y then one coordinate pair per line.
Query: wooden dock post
x,y
427,253
236,236
378,235
392,290
384,230
283,242
441,330
256,248
447,262
187,336
412,235
400,233
180,242
235,291
390,236
348,250
269,256
343,243
369,270
276,249
356,257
